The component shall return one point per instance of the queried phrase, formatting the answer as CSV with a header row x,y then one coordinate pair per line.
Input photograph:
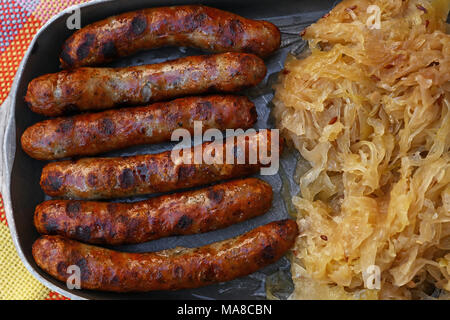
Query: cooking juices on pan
x,y
240,44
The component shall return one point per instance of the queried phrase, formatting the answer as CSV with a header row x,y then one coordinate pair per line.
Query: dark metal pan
x,y
20,174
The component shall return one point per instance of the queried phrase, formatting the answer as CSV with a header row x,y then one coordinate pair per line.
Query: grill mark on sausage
x,y
65,126
62,268
126,178
216,195
184,222
203,110
138,25
73,208
84,269
109,50
92,179
51,226
107,126
86,45
53,181
83,233
112,208
179,272
192,25
267,254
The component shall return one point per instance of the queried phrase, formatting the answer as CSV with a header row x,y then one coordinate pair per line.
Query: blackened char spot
x,y
61,268
92,179
185,172
203,110
173,117
216,195
142,171
268,254
227,41
126,178
283,230
112,208
210,273
138,25
123,219
193,21
51,226
65,126
83,233
160,277
73,208
53,181
109,50
200,18
107,126
85,46
68,90
178,272
235,27
184,222
231,33
133,227
84,269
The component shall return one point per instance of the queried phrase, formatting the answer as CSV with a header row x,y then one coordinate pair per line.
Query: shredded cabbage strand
x,y
369,109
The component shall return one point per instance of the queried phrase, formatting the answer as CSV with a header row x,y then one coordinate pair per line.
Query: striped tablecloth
x,y
19,21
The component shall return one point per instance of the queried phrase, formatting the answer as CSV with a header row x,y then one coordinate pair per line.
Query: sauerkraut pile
x,y
369,109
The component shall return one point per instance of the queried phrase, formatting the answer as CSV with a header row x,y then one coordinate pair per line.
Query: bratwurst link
x,y
179,268
104,88
95,133
190,26
183,213
97,178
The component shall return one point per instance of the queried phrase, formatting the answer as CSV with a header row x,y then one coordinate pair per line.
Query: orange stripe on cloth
x,y
10,59
2,212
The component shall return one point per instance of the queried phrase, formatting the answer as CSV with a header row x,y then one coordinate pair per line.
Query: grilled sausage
x,y
97,178
90,134
183,213
104,88
179,268
190,26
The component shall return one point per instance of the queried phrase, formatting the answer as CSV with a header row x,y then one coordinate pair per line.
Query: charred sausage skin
x,y
196,26
179,268
183,213
105,88
95,133
103,178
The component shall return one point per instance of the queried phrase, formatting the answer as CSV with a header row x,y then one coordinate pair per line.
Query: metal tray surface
x,y
20,173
